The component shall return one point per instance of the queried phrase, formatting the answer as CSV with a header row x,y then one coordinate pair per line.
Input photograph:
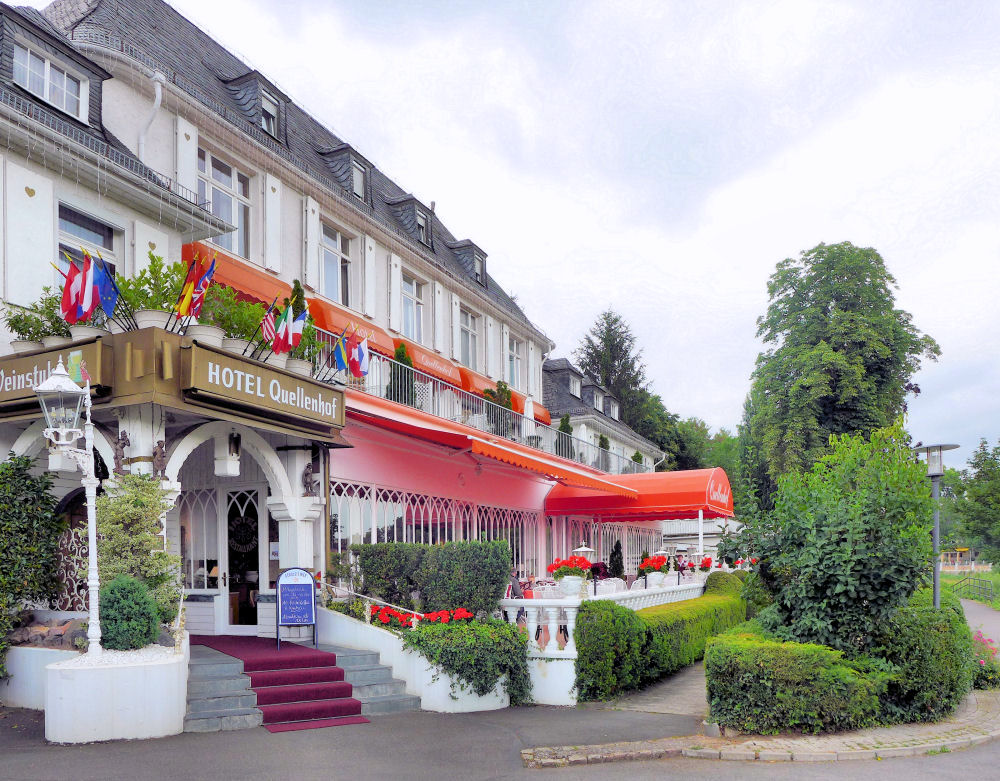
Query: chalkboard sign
x,y
296,600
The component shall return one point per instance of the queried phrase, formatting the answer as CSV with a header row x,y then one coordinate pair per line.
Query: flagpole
x,y
261,323
175,312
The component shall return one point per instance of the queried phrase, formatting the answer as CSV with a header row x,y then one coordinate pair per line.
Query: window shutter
x,y
532,379
148,239
186,154
368,243
395,292
30,241
440,317
272,222
310,264
490,349
456,327
504,359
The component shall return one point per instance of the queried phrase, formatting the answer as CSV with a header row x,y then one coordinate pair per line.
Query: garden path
x,y
682,693
982,616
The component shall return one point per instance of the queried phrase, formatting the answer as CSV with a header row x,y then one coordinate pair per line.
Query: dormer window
x,y
358,179
422,228
613,408
574,386
269,114
598,401
50,81
480,270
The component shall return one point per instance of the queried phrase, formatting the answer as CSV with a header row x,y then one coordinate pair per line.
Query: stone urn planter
x,y
25,346
210,335
151,318
299,366
655,579
55,341
78,333
235,345
571,585
279,361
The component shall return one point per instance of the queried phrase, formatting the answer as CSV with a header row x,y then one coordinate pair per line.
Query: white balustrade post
x,y
552,620
531,622
571,629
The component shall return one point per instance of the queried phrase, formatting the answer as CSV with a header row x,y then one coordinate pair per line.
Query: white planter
x,y
210,335
25,688
115,327
655,579
121,695
151,318
25,346
571,585
237,346
299,366
56,341
274,359
78,333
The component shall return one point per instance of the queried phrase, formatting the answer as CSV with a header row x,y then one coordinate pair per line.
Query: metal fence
x,y
389,379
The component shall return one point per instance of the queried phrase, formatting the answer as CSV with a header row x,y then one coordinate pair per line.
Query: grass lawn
x,y
949,579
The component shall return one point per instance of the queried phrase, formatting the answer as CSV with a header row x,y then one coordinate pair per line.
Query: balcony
x,y
389,379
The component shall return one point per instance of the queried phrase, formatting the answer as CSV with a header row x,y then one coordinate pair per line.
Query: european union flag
x,y
106,288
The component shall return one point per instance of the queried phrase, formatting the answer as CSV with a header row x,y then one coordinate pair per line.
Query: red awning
x,y
415,423
335,319
428,362
542,415
238,274
660,496
474,382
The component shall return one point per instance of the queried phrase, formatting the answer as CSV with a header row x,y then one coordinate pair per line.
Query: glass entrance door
x,y
244,548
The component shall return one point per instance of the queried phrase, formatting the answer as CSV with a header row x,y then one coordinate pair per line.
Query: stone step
x,y
367,691
390,703
199,669
367,673
229,702
351,657
214,721
215,686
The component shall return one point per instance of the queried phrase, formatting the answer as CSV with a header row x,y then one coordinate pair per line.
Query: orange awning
x,y
517,402
474,382
238,274
415,423
542,415
660,496
335,319
431,363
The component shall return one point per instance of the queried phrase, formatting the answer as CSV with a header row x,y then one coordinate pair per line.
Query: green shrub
x,y
933,651
754,594
723,583
477,654
742,574
758,684
610,645
472,574
616,562
128,614
985,665
388,570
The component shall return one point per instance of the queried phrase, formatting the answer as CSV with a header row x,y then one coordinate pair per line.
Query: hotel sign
x,y
20,374
230,381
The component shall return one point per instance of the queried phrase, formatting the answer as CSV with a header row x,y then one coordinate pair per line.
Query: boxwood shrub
x,y
387,569
472,574
619,649
129,618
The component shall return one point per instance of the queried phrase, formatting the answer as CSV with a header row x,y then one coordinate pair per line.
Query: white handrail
x,y
417,615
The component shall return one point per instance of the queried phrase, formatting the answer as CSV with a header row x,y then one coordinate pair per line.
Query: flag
x,y
67,307
353,362
363,356
340,352
183,306
282,337
298,324
198,298
105,288
267,325
86,300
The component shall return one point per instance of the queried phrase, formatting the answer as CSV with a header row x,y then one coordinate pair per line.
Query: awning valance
x,y
335,319
428,362
542,415
659,496
415,423
237,274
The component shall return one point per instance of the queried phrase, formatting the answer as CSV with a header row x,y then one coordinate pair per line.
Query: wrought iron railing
x,y
974,588
389,379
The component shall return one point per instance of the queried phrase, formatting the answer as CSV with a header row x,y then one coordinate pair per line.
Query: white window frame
x,y
515,360
83,110
423,232
238,241
358,176
73,242
479,265
412,306
613,409
468,325
575,385
334,253
598,400
267,100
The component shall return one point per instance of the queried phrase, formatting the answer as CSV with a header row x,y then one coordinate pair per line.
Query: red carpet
x,y
297,687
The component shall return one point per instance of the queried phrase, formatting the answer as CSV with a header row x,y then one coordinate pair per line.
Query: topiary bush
x,y
477,654
723,583
616,561
760,684
129,618
388,570
610,644
472,574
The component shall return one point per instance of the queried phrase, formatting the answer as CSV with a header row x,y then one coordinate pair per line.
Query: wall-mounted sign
x,y
232,380
296,600
20,374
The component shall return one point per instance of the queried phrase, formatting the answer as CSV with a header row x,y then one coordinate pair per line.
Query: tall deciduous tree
x,y
980,510
609,354
840,355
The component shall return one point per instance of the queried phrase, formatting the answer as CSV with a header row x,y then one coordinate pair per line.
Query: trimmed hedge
x,y
763,685
387,569
619,649
129,618
919,669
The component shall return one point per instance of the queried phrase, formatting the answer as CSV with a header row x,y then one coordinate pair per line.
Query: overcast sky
x,y
660,158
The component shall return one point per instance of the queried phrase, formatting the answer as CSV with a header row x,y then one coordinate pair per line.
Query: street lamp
x,y
61,400
935,468
586,552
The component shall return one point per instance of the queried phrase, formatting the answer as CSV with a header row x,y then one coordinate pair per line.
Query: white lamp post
x,y
61,399
935,468
586,552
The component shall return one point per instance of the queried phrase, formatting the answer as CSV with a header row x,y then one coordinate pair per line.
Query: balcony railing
x,y
389,379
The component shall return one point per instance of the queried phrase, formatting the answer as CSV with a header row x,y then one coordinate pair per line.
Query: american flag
x,y
267,325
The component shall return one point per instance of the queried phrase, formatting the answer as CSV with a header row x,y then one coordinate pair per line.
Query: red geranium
x,y
574,565
654,564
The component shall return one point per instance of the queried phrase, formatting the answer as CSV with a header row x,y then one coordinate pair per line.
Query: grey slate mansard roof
x,y
215,77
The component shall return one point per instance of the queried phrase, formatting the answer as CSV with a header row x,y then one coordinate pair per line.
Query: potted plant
x,y
655,569
570,573
28,327
152,293
237,320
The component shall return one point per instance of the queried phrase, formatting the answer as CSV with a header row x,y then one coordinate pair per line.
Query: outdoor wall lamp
x,y
61,400
935,468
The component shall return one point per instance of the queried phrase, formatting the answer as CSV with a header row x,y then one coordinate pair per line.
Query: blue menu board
x,y
296,598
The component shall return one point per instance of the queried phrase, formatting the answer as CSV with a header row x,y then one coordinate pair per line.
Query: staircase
x,y
373,683
219,694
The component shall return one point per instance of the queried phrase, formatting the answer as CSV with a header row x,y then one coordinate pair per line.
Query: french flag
x,y
363,357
